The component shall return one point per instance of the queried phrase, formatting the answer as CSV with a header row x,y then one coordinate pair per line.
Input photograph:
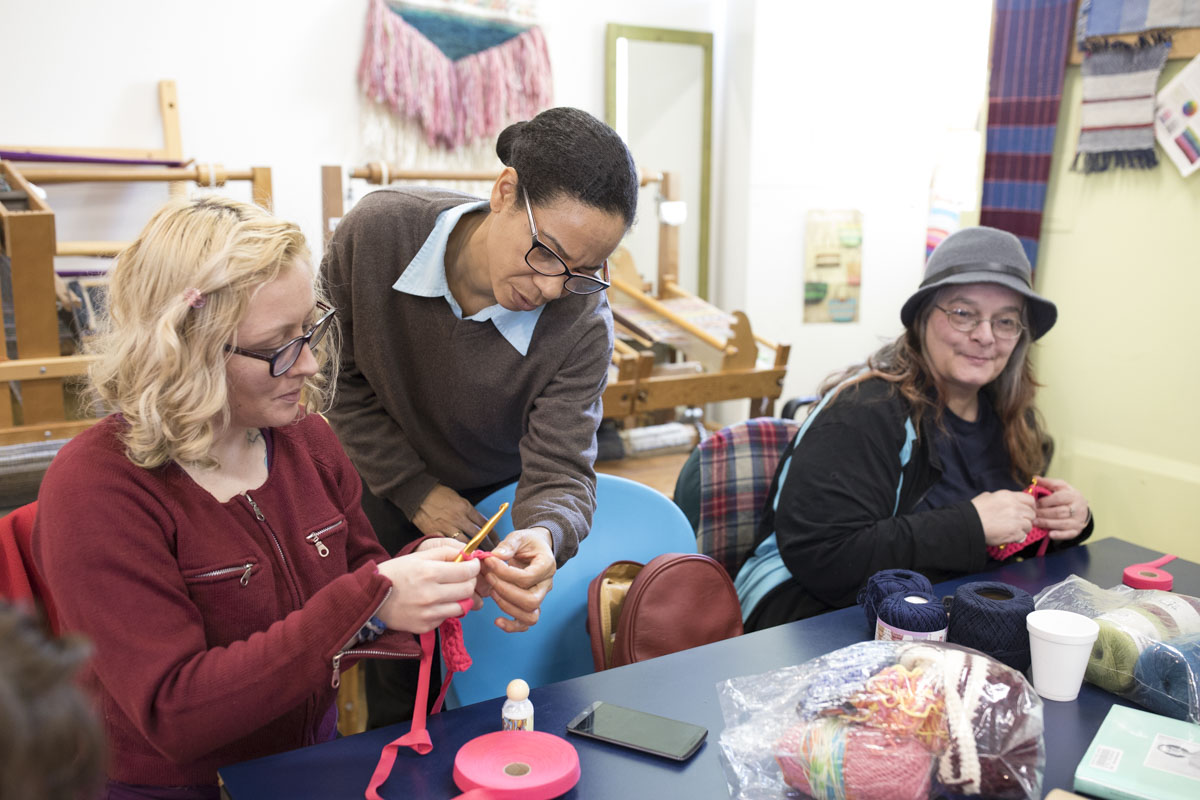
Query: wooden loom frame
x,y
736,374
31,244
636,389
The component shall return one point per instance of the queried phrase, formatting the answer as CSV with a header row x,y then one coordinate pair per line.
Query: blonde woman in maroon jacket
x,y
207,536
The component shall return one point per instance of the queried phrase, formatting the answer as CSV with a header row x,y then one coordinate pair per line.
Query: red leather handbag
x,y
674,602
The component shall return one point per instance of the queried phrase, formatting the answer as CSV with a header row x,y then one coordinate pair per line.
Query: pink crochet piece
x,y
454,653
1001,552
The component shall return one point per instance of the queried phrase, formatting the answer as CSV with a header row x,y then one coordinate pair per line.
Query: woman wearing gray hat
x,y
919,458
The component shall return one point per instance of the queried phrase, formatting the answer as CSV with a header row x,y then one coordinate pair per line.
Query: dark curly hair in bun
x,y
565,151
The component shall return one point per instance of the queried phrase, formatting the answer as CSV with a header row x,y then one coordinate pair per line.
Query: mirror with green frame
x,y
659,99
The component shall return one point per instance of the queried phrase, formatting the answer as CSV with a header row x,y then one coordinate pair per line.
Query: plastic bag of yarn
x,y
1148,649
884,720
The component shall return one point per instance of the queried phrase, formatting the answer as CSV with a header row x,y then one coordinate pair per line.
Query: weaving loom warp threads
x,y
1165,678
989,616
886,582
911,615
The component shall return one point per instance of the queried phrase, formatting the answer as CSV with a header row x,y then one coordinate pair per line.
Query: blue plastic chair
x,y
632,522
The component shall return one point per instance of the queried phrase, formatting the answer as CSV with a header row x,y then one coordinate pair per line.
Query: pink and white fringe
x,y
456,102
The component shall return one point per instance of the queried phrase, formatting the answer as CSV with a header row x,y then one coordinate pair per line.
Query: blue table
x,y
682,686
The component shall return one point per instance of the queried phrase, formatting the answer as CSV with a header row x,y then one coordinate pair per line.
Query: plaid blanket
x,y
737,464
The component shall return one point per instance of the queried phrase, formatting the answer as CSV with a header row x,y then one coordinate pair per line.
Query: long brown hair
x,y
51,745
903,365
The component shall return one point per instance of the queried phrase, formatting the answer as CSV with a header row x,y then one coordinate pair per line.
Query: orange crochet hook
x,y
477,539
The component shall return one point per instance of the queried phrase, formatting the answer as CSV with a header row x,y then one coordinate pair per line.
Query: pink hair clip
x,y
194,298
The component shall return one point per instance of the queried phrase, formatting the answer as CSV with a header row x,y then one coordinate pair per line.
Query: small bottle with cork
x,y
517,714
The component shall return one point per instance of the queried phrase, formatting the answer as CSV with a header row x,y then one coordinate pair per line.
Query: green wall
x,y
1120,255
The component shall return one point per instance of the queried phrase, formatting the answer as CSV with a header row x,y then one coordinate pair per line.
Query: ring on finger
x,y
1070,511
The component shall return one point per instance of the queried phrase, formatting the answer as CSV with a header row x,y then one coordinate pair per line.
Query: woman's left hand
x,y
520,585
1064,513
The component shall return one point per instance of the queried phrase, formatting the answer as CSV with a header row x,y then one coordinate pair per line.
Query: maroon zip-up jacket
x,y
216,626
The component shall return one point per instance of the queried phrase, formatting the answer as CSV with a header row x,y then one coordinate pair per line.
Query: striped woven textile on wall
x,y
1120,79
1029,55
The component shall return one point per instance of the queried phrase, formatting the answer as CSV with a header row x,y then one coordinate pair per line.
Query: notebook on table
x,y
1137,754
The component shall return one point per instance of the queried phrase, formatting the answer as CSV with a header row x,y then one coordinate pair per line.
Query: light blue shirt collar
x,y
425,276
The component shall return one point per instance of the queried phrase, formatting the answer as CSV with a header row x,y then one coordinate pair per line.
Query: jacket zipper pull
x,y
337,670
245,581
322,549
257,511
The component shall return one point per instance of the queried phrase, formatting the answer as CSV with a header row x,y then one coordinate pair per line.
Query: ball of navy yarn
x,y
991,625
1166,677
886,582
925,617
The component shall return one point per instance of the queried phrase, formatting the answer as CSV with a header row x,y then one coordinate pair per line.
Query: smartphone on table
x,y
648,733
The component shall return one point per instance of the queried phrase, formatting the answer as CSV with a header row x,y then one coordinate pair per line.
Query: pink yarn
x,y
880,766
854,762
456,102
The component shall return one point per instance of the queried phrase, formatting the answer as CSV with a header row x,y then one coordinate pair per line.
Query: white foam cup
x,y
1060,643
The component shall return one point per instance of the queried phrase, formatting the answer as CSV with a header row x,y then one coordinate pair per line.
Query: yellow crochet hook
x,y
477,539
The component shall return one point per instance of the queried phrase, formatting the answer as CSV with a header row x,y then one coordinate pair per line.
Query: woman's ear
x,y
504,191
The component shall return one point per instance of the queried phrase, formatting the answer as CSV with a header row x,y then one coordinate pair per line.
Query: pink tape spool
x,y
1149,576
516,765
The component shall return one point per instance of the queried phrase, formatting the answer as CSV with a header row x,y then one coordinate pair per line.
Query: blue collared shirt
x,y
425,276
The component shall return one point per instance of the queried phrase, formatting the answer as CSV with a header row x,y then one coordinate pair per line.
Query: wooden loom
x,y
30,243
723,367
713,366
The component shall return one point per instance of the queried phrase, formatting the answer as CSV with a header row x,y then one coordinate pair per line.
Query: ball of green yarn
x,y
1118,646
1114,655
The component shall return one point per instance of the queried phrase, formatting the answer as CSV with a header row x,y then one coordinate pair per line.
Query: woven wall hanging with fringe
x,y
1120,79
461,69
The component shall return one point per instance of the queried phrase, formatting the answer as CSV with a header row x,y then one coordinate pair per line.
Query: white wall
x,y
816,105
260,84
848,106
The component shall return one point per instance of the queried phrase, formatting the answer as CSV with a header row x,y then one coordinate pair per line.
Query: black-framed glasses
x,y
285,357
965,320
541,258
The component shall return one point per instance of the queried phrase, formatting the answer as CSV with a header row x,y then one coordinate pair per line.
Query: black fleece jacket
x,y
835,525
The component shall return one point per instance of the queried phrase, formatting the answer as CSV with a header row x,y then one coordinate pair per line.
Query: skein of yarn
x,y
826,758
1166,677
989,616
1114,655
911,616
887,582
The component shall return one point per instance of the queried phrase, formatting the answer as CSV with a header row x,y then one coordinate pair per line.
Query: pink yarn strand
x,y
456,102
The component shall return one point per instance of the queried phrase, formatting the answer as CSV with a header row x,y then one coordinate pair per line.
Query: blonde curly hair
x,y
161,357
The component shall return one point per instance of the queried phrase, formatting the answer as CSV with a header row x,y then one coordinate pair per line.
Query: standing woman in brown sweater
x,y
476,348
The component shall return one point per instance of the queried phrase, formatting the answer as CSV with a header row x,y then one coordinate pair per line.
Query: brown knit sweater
x,y
425,398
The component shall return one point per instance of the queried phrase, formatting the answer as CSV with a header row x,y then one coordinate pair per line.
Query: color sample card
x,y
1176,123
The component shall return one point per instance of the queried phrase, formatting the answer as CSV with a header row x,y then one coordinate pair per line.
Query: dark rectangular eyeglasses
x,y
541,258
285,357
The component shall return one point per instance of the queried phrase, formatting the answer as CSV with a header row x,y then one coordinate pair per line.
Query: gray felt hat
x,y
982,255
